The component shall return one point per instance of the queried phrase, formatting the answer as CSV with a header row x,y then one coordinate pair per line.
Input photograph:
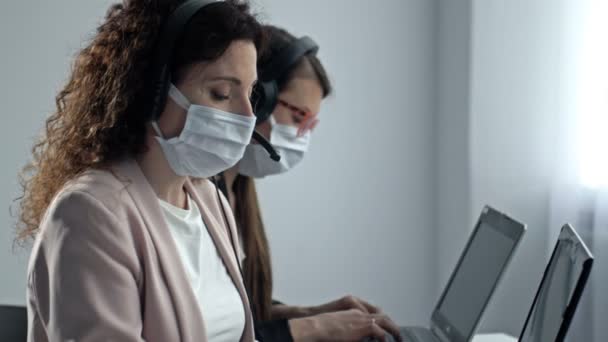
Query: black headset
x,y
266,92
171,32
163,56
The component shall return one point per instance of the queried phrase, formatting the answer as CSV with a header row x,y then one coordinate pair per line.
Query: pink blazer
x,y
104,266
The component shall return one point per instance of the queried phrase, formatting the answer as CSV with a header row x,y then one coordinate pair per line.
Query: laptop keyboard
x,y
416,334
410,334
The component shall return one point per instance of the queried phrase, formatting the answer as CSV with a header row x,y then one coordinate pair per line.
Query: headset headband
x,y
289,56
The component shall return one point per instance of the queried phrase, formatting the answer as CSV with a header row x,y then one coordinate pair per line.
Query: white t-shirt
x,y
217,295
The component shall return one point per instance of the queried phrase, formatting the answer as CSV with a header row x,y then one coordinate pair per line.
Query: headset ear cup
x,y
160,91
264,99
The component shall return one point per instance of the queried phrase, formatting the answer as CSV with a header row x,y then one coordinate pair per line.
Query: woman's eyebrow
x,y
231,79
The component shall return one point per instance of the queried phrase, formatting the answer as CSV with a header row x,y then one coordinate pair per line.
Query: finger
x,y
378,333
370,308
370,330
389,326
351,302
354,314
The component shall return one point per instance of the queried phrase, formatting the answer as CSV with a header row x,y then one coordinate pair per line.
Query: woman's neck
x,y
168,186
229,178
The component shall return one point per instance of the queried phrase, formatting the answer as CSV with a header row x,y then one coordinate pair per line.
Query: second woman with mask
x,y
287,119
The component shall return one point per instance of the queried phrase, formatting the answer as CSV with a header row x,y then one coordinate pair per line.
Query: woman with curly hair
x,y
130,243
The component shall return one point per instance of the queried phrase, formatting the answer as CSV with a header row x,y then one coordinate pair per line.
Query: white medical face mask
x,y
212,140
287,143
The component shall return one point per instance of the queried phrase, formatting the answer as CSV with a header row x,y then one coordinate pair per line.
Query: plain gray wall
x,y
453,183
355,216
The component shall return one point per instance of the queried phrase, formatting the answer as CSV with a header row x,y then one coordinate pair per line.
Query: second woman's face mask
x,y
212,140
286,141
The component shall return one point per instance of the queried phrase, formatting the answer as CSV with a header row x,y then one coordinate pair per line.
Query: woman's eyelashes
x,y
297,119
217,95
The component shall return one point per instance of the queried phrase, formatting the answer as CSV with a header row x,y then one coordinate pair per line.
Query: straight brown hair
x,y
257,268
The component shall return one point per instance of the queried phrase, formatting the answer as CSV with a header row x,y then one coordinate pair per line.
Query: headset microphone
x,y
267,146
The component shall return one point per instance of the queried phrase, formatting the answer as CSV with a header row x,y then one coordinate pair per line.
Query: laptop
x,y
560,290
474,279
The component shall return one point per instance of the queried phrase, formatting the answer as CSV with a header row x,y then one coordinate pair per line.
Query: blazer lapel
x,y
188,314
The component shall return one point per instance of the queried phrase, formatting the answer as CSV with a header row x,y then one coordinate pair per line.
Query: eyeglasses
x,y
309,119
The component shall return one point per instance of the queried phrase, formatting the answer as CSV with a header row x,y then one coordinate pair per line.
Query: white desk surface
x,y
494,338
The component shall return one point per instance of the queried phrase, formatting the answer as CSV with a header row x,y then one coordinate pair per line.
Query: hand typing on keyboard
x,y
346,326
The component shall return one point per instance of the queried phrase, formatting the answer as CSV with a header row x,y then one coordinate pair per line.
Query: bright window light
x,y
592,97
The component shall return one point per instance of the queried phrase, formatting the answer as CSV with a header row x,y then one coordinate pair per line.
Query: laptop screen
x,y
556,291
489,250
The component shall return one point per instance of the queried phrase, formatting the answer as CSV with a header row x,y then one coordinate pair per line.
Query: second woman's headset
x,y
266,92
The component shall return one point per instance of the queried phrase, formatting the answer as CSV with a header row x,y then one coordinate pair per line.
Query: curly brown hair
x,y
100,113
